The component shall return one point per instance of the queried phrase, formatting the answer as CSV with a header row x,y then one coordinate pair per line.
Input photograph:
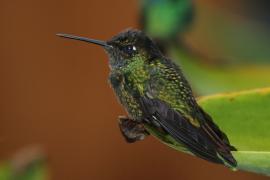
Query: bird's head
x,y
125,47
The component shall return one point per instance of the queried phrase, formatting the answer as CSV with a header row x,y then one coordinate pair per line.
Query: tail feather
x,y
219,138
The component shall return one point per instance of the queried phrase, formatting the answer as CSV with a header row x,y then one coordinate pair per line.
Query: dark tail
x,y
219,138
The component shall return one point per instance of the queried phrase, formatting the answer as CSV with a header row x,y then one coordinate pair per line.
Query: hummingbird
x,y
158,99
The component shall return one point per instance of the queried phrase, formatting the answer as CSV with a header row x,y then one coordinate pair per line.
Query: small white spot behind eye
x,y
134,48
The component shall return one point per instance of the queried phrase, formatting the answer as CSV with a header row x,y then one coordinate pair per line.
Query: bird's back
x,y
168,86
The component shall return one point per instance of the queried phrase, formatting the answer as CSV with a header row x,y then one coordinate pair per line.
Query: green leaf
x,y
245,118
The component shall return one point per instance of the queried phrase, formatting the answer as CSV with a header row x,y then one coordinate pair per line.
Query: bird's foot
x,y
132,131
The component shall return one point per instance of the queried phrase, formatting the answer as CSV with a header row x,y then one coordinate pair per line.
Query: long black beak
x,y
93,41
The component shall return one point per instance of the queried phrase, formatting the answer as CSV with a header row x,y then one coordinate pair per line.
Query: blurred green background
x,y
55,94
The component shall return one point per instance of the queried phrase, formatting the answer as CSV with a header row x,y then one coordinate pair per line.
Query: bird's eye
x,y
130,50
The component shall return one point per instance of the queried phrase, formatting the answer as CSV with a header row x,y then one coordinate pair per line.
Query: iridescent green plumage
x,y
138,78
159,100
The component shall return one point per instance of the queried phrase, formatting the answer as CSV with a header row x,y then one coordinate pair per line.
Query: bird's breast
x,y
127,93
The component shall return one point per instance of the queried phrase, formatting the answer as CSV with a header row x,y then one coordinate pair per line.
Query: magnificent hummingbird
x,y
158,99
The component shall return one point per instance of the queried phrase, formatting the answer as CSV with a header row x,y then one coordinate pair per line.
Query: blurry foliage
x,y
206,79
165,20
27,164
235,32
240,34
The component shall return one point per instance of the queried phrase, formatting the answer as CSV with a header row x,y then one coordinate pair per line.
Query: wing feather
x,y
196,139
